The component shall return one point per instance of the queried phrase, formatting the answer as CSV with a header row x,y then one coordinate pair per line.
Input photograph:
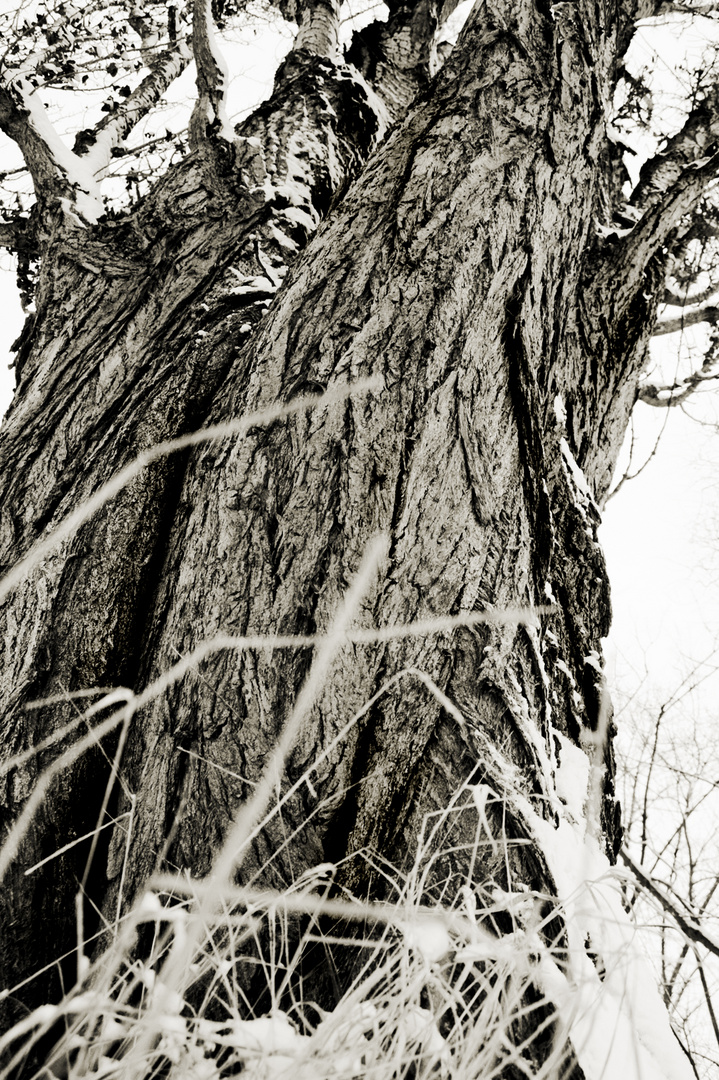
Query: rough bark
x,y
137,326
463,270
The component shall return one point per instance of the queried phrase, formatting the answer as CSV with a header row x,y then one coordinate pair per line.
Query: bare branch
x,y
707,997
688,926
675,300
667,397
708,314
676,7
97,144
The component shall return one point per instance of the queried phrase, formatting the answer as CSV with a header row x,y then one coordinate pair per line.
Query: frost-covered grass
x,y
225,979
438,990
201,979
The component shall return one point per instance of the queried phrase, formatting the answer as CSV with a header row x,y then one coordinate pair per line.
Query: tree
x,y
443,251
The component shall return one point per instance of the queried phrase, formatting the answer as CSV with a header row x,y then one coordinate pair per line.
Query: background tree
x,y
454,232
669,791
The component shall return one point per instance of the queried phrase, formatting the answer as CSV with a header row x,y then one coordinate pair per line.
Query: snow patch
x,y
613,1011
300,217
572,777
565,671
428,936
593,659
578,476
605,231
420,1027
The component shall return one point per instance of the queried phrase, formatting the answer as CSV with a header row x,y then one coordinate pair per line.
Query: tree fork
x,y
380,267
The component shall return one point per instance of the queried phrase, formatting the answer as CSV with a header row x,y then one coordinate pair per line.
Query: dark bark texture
x,y
456,260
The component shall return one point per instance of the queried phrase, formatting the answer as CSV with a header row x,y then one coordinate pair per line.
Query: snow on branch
x,y
209,117
58,174
708,314
96,145
666,397
677,7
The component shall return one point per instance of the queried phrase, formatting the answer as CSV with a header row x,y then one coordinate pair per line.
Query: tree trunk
x,y
463,273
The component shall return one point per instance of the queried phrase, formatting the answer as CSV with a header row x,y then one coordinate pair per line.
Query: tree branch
x,y
695,142
687,926
59,176
674,300
15,121
676,7
708,314
97,144
622,273
398,58
319,28
209,117
665,397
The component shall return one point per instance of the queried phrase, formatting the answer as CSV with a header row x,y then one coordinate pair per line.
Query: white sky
x,y
661,540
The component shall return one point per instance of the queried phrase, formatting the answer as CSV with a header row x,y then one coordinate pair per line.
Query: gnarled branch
x,y
624,268
695,142
19,121
209,116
